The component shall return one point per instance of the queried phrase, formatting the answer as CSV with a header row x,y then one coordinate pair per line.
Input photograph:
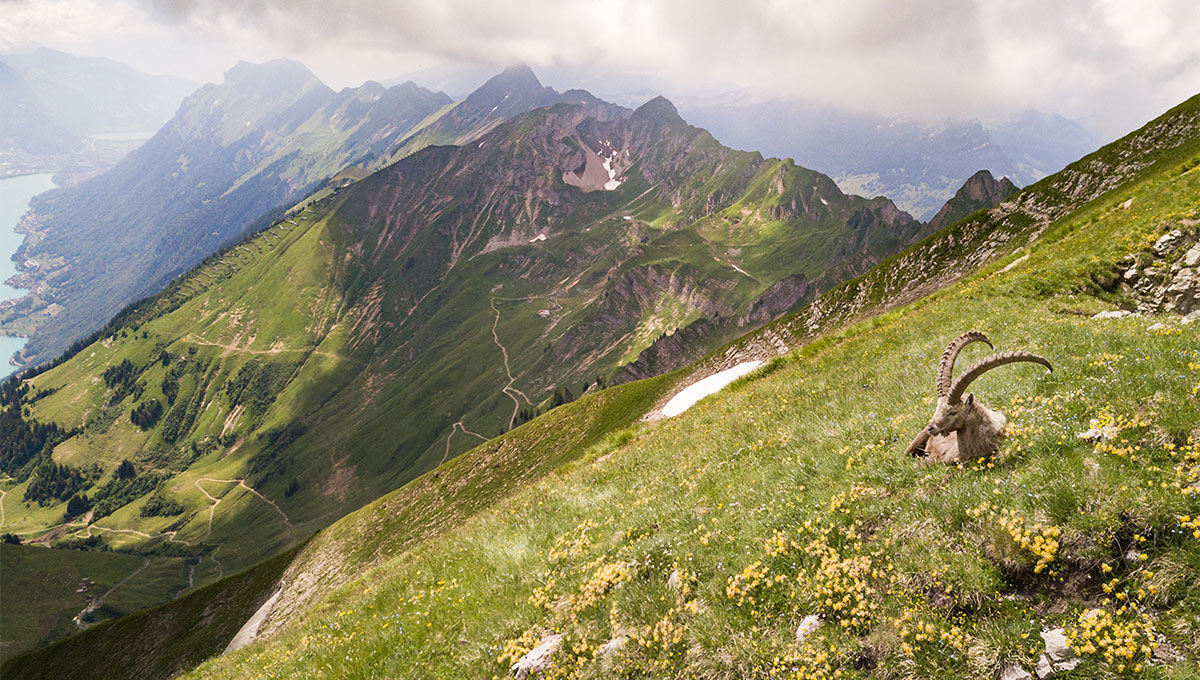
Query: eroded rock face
x,y
1166,278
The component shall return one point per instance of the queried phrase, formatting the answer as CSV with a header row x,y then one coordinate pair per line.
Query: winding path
x,y
86,527
457,426
507,389
230,348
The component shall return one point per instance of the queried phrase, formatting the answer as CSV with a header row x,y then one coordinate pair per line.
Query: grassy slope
x,y
423,509
808,453
40,596
160,642
276,300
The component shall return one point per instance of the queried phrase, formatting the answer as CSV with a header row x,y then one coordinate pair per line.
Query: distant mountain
x,y
25,124
1041,143
269,135
265,138
514,91
919,165
91,95
979,192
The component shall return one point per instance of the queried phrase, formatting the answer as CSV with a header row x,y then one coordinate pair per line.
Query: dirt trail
x,y
457,426
507,389
85,529
231,348
79,622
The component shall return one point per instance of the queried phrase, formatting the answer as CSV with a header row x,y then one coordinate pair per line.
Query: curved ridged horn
x,y
946,365
988,363
918,443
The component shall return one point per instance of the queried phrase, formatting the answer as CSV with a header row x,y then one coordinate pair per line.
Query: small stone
x,y
1113,314
808,626
1056,645
1156,327
1014,672
1044,668
1058,655
1131,274
538,658
612,646
1126,204
1167,242
1095,433
673,579
1165,652
1192,257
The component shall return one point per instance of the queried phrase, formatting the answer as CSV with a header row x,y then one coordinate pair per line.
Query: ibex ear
x,y
970,399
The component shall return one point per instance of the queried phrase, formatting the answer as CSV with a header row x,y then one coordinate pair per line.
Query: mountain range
x,y
77,116
90,96
234,156
392,322
917,164
320,363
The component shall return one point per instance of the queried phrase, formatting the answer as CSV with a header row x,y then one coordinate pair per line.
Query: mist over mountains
x,y
917,164
480,373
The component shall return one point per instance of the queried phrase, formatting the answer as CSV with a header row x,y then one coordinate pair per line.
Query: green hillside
x,y
396,323
704,540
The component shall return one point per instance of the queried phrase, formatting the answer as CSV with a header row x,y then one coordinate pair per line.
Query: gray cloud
x,y
1112,63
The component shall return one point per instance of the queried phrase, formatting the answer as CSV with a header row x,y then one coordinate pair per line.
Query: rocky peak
x,y
980,191
515,80
983,187
369,91
660,108
275,74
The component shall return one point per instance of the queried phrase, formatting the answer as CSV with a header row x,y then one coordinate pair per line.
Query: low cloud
x,y
1114,64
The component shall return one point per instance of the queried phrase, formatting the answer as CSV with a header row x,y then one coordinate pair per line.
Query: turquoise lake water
x,y
15,193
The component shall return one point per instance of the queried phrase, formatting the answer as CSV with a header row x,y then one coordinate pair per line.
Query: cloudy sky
x,y
1111,65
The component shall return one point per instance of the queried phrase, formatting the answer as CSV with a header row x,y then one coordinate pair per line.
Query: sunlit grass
x,y
705,539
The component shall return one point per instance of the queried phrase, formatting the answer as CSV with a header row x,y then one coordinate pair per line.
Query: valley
x,y
701,542
531,384
15,195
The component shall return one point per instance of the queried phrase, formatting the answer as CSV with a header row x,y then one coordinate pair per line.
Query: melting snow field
x,y
702,388
612,182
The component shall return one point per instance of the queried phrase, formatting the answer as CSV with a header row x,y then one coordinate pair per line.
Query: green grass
x,y
386,388
159,642
788,494
39,598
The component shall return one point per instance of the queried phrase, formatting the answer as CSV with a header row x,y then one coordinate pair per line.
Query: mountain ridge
x,y
687,507
446,297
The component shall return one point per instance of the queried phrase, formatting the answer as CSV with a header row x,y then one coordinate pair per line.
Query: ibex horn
x,y
987,364
946,365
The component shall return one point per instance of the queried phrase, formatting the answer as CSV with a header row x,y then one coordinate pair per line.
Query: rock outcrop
x,y
1166,278
979,192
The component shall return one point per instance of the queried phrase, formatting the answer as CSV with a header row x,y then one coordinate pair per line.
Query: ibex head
x,y
954,413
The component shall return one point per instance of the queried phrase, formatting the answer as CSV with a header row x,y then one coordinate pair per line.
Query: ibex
x,y
964,429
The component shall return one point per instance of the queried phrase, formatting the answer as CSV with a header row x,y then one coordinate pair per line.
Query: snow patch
x,y
612,182
539,237
703,388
